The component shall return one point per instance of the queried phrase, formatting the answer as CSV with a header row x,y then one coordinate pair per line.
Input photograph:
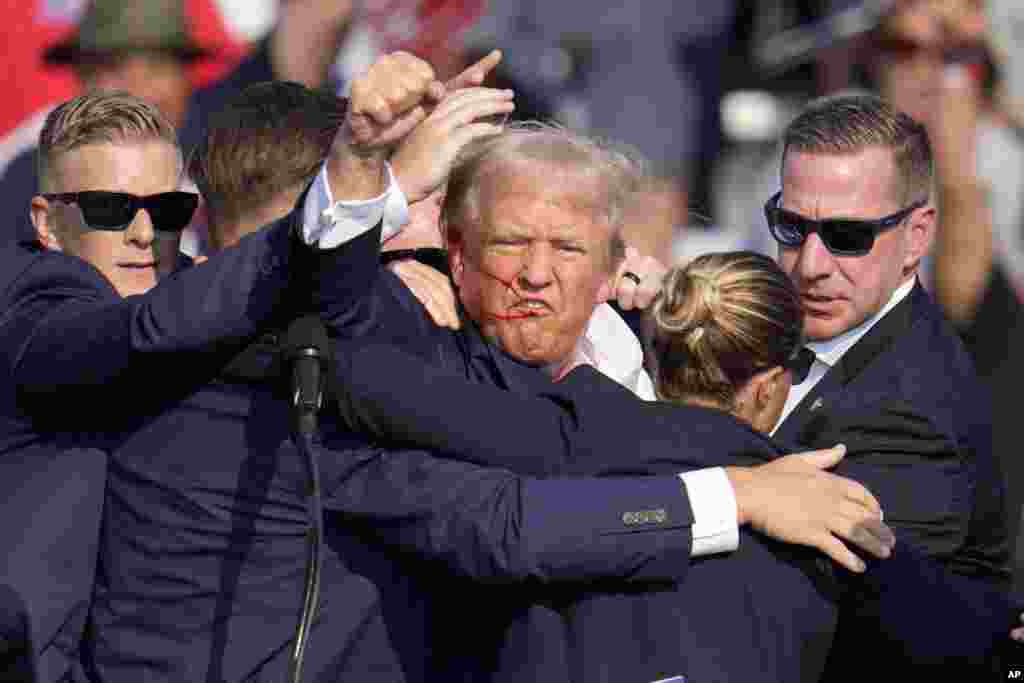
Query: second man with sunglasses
x,y
889,379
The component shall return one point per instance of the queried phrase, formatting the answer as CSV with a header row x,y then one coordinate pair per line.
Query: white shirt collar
x,y
609,345
831,350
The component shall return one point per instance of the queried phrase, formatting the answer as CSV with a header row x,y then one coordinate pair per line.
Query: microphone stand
x,y
302,435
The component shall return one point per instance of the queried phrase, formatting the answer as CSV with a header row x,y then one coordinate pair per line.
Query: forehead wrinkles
x,y
551,202
550,219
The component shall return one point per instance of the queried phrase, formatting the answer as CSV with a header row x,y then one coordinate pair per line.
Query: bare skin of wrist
x,y
741,479
356,177
795,499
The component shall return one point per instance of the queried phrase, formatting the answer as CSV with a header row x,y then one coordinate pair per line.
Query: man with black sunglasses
x,y
890,379
94,343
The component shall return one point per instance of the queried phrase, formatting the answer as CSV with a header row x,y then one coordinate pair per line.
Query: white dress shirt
x,y
827,353
608,344
327,223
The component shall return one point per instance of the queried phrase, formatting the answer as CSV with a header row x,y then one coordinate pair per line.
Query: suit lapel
x,y
788,432
826,392
491,365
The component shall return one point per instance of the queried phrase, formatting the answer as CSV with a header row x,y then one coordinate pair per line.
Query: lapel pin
x,y
817,404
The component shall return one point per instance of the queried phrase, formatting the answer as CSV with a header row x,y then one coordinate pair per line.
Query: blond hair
x,y
612,171
719,321
96,118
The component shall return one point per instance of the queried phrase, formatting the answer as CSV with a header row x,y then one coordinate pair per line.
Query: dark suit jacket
x,y
731,617
917,424
202,550
489,525
76,360
435,641
17,663
569,430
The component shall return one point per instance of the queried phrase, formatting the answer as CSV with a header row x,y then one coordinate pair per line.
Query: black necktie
x,y
800,365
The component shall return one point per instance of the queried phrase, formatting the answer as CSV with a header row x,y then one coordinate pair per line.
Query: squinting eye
x,y
508,245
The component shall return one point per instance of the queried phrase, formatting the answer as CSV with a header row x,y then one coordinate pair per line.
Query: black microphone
x,y
305,347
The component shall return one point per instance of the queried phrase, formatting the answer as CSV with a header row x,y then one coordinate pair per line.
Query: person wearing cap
x,y
142,47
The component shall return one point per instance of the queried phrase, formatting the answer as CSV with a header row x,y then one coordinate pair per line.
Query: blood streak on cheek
x,y
516,297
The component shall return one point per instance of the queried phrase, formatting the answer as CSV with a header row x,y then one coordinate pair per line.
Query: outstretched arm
x,y
76,342
793,499
396,111
492,525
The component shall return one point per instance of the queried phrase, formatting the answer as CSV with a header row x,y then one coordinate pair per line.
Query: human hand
x,y
432,288
423,160
1017,634
793,499
388,101
628,292
475,74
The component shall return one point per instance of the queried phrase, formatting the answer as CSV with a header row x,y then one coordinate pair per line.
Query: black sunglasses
x,y
902,48
169,211
799,364
841,236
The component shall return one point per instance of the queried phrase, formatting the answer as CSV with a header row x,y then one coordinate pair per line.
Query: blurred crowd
x,y
702,90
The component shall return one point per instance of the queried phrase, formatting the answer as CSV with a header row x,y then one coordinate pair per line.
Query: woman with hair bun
x,y
727,333
726,341
724,332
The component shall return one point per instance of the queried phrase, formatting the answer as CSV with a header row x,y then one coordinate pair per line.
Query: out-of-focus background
x,y
702,88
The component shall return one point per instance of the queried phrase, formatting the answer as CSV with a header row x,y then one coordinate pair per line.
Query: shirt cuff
x,y
714,511
327,223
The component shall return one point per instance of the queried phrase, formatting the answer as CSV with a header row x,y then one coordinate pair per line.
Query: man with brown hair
x,y
890,379
259,153
86,323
